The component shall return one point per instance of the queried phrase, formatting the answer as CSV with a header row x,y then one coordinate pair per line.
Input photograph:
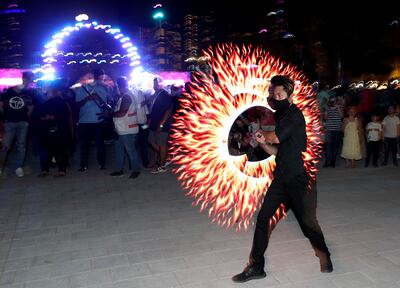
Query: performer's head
x,y
283,88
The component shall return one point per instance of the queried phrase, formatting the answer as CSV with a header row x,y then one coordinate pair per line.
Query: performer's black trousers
x,y
292,192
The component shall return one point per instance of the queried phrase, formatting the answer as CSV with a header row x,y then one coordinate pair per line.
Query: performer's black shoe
x,y
326,264
249,273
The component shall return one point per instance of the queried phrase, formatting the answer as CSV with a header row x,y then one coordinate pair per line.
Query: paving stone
x,y
48,283
350,280
109,261
129,272
89,279
34,273
91,231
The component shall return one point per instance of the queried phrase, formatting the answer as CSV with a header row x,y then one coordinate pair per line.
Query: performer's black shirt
x,y
291,132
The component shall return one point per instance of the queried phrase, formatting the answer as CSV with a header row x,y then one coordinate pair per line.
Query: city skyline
x,y
319,37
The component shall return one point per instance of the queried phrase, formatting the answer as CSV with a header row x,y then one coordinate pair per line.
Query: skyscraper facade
x,y
11,34
162,47
198,34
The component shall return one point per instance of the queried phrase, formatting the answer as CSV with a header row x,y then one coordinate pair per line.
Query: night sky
x,y
360,30
44,18
48,15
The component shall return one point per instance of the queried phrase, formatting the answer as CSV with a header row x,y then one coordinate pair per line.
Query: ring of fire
x,y
230,187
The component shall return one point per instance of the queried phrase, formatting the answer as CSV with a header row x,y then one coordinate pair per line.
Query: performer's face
x,y
280,93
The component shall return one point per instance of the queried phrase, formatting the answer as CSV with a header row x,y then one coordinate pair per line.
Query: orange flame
x,y
230,187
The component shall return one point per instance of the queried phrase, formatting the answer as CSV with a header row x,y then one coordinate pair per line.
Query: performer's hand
x,y
259,137
269,136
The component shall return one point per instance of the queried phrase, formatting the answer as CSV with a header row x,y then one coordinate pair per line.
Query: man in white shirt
x,y
127,127
391,131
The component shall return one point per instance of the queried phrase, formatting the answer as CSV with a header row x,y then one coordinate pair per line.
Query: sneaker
x,y
83,169
43,174
117,174
249,273
102,167
134,175
160,169
19,172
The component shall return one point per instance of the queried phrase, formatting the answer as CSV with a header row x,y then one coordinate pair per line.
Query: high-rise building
x,y
198,34
173,46
11,35
162,47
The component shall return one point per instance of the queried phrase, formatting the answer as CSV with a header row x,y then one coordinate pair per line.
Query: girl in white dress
x,y
352,129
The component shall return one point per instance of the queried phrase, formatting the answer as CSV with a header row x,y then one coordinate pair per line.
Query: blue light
x,y
158,15
82,17
123,40
10,11
51,53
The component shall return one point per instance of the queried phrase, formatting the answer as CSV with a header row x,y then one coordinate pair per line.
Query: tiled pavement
x,y
91,230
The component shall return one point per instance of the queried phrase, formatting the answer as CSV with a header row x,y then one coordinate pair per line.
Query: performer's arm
x,y
269,148
270,137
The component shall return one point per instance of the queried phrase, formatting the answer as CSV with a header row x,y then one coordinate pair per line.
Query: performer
x,y
290,184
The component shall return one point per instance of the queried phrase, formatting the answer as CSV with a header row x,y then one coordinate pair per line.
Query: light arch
x,y
48,69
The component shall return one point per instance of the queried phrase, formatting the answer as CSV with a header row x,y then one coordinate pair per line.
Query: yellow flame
x,y
230,187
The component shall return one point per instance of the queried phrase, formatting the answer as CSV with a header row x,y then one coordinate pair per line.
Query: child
x,y
351,149
374,133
